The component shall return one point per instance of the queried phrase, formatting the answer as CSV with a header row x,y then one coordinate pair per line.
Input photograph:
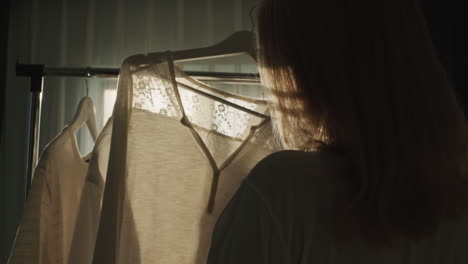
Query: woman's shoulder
x,y
293,162
291,170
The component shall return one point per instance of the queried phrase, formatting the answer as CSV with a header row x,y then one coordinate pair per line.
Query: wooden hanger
x,y
85,114
238,43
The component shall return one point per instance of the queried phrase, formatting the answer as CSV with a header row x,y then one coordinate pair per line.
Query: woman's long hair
x,y
362,77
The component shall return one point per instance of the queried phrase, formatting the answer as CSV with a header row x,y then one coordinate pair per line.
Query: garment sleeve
x,y
246,232
31,241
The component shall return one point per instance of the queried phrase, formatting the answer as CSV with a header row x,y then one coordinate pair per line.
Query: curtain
x,y
100,33
103,33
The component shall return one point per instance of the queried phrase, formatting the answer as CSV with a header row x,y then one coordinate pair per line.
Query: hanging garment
x,y
46,228
176,159
87,220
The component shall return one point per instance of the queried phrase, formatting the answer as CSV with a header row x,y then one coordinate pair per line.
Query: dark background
x,y
4,19
447,23
4,16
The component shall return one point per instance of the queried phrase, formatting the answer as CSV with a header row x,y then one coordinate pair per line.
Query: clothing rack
x,y
37,72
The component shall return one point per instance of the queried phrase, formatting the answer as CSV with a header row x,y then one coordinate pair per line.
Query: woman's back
x,y
288,211
360,78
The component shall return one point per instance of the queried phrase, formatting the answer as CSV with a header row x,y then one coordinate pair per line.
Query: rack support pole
x,y
36,72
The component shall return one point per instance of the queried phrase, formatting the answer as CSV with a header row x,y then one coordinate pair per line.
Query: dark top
x,y
281,212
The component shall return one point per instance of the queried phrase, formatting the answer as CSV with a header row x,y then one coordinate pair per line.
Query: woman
x,y
377,166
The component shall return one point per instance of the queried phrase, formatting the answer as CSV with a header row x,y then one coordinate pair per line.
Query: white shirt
x,y
46,228
169,147
89,211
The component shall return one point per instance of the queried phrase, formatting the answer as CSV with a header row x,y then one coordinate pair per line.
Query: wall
x,y
14,133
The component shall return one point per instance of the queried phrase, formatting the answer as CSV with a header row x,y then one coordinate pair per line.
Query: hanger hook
x,y
253,29
87,87
251,15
